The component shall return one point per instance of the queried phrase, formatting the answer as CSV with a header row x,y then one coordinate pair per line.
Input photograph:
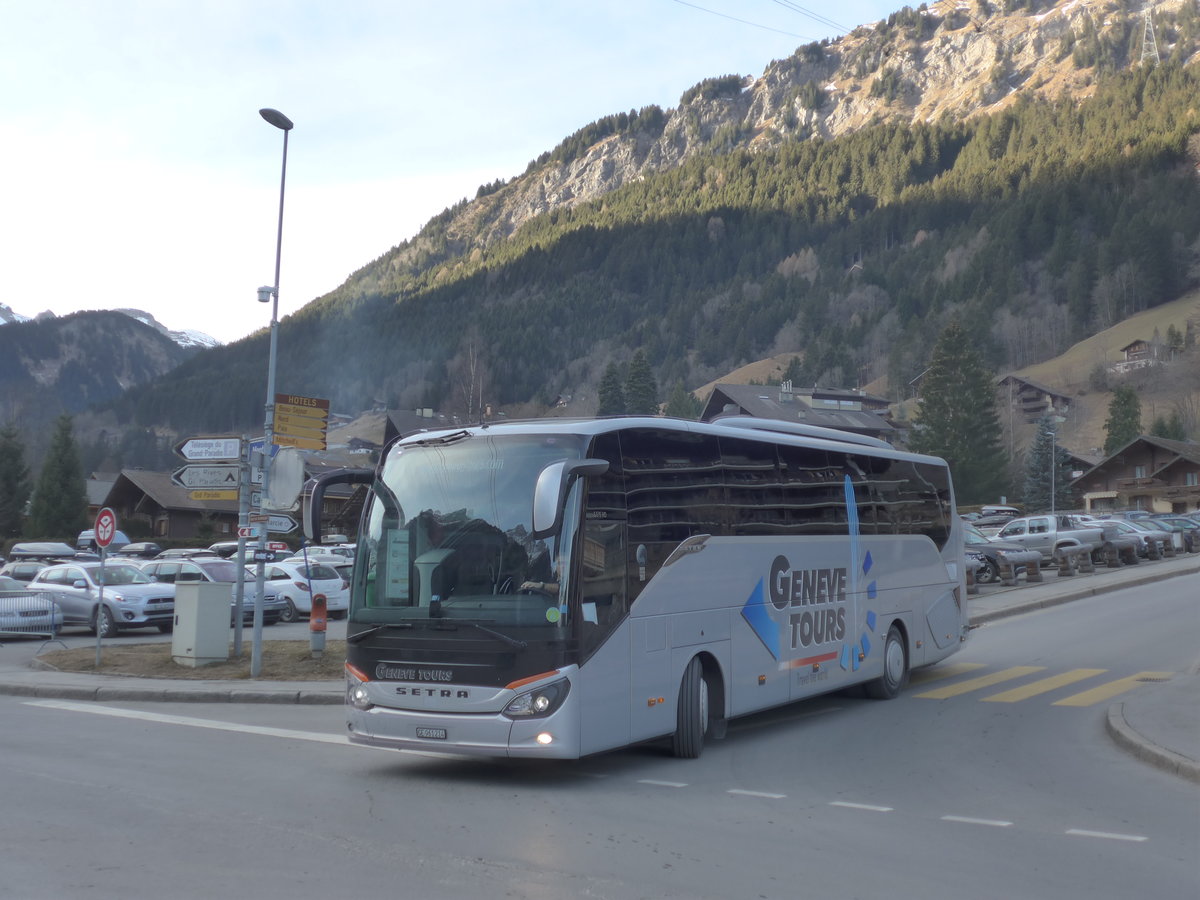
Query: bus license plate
x,y
436,734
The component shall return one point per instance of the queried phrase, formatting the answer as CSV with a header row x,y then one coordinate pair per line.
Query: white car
x,y
296,583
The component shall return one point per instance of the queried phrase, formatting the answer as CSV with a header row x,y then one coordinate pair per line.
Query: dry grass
x,y
281,661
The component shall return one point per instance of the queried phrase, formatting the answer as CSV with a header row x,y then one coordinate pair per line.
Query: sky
x,y
138,173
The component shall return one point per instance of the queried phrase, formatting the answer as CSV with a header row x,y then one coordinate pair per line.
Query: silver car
x,y
131,599
213,569
26,612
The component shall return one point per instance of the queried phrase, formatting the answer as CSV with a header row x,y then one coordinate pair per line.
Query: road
x,y
991,776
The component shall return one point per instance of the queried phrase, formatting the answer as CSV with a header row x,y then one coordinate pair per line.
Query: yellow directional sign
x,y
299,426
309,412
213,495
286,440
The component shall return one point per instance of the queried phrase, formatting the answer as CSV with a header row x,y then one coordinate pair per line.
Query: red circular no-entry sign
x,y
106,527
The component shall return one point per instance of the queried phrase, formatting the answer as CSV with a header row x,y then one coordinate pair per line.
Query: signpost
x,y
301,422
103,532
210,448
200,476
213,495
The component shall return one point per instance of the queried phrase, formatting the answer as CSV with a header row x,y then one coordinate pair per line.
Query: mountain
x,y
187,339
53,364
1029,170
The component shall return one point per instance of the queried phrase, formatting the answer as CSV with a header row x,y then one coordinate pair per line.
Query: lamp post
x,y
265,294
1054,422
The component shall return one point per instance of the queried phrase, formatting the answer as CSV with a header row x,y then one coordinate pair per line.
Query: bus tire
x,y
691,723
895,668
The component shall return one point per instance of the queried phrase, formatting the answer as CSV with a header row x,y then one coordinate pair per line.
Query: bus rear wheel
x,y
692,721
895,668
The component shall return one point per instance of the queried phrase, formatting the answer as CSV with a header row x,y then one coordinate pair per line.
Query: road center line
x,y
967,820
674,784
1107,835
762,794
866,806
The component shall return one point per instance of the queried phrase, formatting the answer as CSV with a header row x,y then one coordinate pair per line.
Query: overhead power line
x,y
816,17
713,12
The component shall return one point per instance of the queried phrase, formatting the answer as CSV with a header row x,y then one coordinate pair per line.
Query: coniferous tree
x,y
612,395
1170,428
59,507
1124,421
15,485
641,390
682,403
958,420
1044,479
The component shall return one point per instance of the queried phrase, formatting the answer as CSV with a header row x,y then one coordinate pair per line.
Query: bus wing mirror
x,y
552,487
316,499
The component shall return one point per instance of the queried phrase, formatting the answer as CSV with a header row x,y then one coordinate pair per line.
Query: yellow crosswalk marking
x,y
1111,689
934,673
974,684
1043,686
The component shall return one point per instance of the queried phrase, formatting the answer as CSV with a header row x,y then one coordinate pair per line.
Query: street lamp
x,y
271,293
1054,422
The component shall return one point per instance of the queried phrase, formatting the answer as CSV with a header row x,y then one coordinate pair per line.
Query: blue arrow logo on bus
x,y
754,611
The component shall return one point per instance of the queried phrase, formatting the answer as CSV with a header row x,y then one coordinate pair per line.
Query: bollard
x,y
316,626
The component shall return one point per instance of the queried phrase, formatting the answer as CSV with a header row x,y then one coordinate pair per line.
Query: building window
x,y
1139,471
1191,479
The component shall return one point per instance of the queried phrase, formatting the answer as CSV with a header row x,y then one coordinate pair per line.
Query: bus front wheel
x,y
895,668
692,721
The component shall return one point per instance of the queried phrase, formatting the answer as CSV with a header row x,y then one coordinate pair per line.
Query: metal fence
x,y
28,613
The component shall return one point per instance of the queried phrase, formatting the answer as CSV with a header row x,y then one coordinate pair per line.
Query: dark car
x,y
41,550
23,570
978,544
186,553
142,550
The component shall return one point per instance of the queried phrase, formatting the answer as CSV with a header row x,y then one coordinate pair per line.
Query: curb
x,y
1144,749
110,693
1078,594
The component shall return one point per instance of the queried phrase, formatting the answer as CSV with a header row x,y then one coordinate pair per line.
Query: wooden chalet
x,y
842,410
1149,473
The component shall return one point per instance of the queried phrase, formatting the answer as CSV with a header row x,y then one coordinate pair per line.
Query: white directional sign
x,y
210,448
280,524
206,477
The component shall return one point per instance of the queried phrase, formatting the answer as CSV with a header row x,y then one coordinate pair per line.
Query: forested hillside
x,y
1037,224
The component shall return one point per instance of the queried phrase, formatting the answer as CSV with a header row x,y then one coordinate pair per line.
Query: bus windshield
x,y
449,538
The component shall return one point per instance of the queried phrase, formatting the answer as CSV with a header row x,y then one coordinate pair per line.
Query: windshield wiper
x,y
444,439
511,641
363,635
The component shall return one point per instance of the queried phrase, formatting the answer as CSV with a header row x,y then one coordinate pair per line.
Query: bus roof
x,y
774,431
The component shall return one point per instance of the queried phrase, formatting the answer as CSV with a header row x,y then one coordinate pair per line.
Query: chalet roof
x,y
764,403
159,488
1133,344
1188,451
98,484
1029,382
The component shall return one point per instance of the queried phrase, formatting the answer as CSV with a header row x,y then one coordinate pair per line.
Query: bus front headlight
x,y
539,702
356,689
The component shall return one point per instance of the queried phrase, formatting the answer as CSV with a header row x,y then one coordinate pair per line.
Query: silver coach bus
x,y
558,588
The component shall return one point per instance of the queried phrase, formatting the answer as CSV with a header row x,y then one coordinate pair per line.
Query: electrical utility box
x,y
201,633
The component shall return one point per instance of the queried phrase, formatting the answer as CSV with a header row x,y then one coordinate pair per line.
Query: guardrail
x,y
28,613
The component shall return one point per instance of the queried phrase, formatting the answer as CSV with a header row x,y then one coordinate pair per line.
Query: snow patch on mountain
x,y
187,337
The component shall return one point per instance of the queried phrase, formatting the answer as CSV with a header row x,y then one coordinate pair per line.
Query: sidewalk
x,y
1159,723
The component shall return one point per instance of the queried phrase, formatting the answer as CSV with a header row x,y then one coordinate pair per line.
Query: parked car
x,y
1130,529
1049,533
141,550
23,611
186,553
1007,512
227,549
296,583
23,570
223,571
41,550
1187,529
131,599
87,541
988,551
